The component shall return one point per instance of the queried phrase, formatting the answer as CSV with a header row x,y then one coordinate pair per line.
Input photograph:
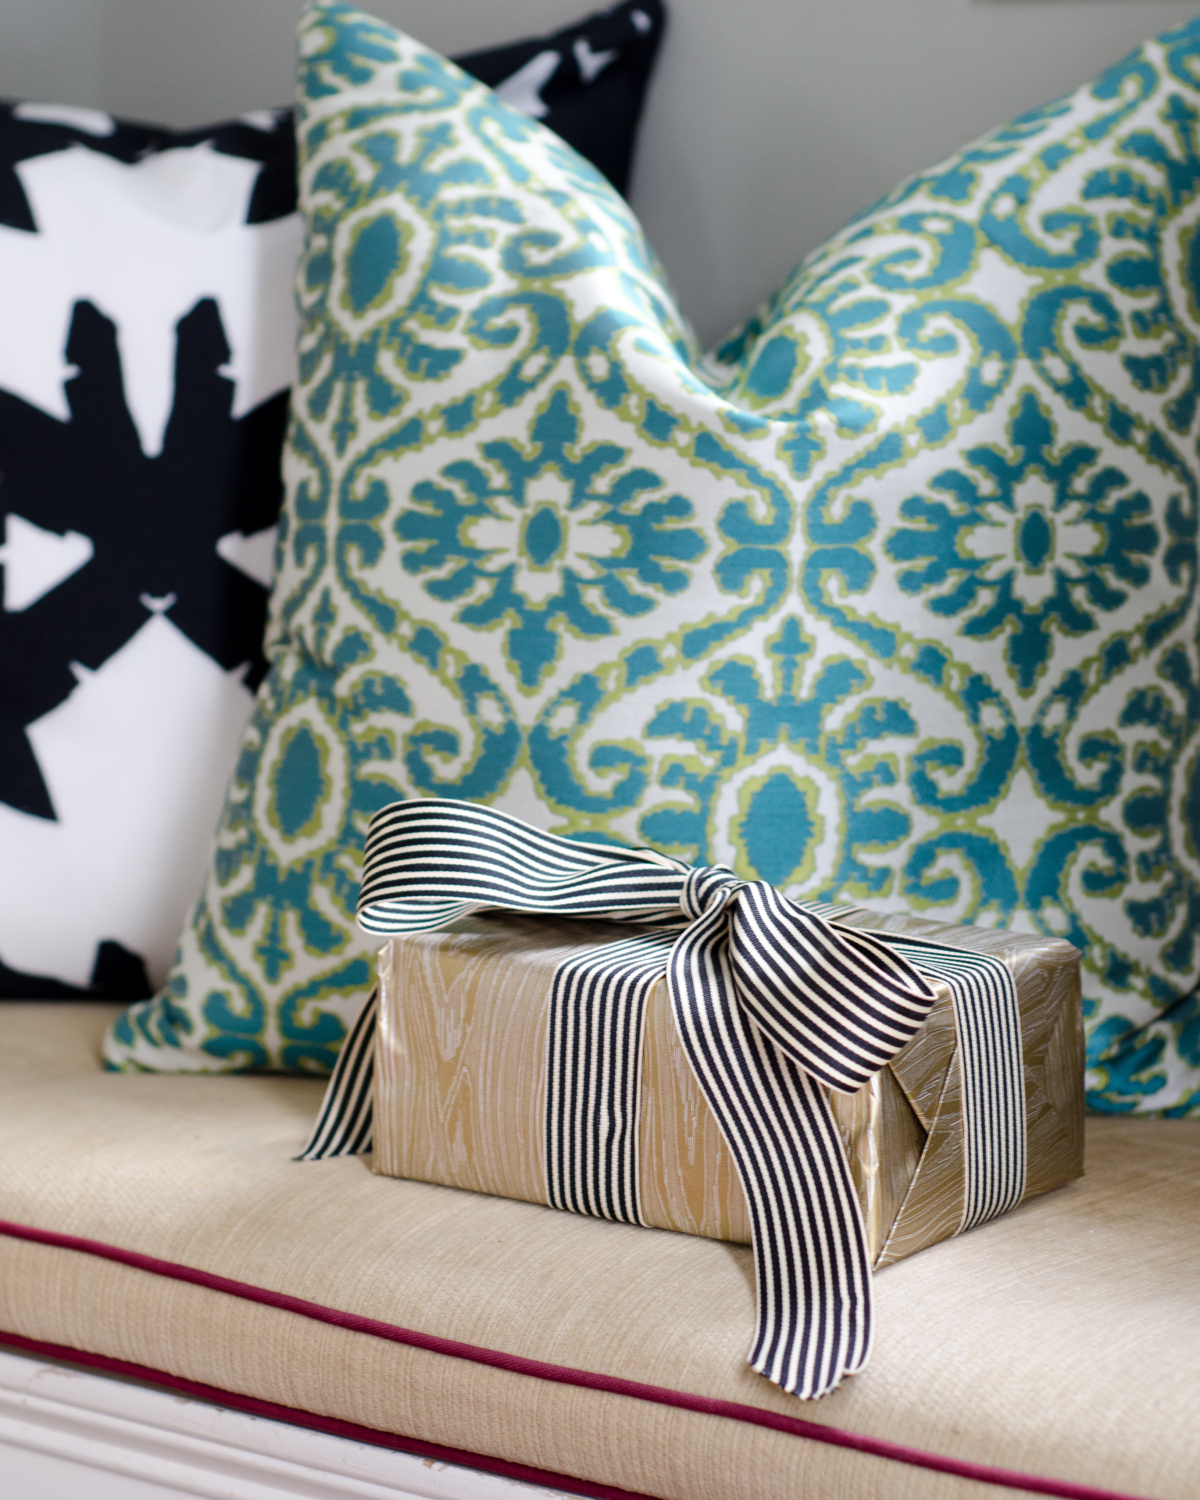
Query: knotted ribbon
x,y
770,1000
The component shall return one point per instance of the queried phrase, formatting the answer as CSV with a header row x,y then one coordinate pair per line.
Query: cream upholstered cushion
x,y
1063,1340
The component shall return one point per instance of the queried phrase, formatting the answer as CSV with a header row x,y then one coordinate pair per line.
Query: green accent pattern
x,y
891,599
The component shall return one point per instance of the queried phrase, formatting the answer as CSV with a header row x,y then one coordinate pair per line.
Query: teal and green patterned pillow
x,y
892,599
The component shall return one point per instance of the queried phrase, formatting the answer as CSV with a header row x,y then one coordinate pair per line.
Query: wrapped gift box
x,y
461,1077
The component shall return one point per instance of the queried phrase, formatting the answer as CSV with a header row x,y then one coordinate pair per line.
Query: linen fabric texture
x,y
889,601
1084,1293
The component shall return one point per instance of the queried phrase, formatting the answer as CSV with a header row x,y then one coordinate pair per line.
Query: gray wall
x,y
770,121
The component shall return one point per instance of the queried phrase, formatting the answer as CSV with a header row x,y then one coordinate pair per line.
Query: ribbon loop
x,y
701,884
839,1003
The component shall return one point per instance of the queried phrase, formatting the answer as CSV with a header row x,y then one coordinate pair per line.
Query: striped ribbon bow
x,y
770,999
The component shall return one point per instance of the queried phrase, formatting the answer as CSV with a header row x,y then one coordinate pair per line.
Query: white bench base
x,y
67,1434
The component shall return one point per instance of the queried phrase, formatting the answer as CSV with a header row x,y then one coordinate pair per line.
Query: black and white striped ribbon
x,y
345,1126
770,999
594,1076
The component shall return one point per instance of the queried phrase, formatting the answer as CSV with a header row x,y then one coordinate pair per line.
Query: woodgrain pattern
x,y
1046,974
884,1140
461,1053
461,1082
688,1180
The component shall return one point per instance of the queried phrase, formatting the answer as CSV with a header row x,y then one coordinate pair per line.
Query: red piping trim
x,y
517,1364
298,1418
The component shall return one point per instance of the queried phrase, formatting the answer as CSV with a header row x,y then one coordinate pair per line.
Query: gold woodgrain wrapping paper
x,y
460,1082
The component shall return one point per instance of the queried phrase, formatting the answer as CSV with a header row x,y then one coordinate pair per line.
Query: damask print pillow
x,y
892,600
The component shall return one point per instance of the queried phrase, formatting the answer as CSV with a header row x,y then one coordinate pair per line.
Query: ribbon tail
x,y
813,1271
816,1252
345,1126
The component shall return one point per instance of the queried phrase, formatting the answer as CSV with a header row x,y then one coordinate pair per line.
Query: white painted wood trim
x,y
68,1434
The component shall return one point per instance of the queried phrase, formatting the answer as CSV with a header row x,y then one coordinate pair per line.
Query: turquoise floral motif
x,y
1128,1064
327,748
1127,1059
343,350
555,535
343,47
873,346
1030,541
377,302
980,854
1174,720
279,850
778,823
495,736
273,858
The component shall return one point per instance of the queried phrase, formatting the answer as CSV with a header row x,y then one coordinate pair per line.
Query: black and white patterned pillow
x,y
586,82
146,350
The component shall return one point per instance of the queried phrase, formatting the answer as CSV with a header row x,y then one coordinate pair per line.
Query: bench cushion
x,y
1061,1341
